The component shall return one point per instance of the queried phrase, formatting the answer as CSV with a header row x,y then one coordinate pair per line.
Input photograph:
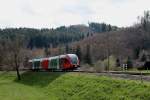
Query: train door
x,y
44,64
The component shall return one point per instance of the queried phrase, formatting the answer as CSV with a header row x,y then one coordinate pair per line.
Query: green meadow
x,y
69,86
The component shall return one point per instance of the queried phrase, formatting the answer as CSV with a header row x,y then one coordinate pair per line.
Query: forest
x,y
95,44
40,38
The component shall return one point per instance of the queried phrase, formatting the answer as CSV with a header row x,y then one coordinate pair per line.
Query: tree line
x,y
40,38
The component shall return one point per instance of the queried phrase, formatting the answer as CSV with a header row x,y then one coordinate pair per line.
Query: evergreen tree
x,y
88,59
145,21
136,52
129,63
67,48
73,50
117,62
47,52
143,58
82,36
103,27
78,52
109,27
88,34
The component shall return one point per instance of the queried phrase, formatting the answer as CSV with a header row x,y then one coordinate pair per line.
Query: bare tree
x,y
16,47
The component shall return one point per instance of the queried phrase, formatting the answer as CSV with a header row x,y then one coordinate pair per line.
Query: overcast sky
x,y
54,13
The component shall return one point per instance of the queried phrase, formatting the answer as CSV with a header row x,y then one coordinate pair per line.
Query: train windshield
x,y
74,59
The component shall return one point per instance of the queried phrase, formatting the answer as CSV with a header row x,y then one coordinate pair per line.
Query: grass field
x,y
69,86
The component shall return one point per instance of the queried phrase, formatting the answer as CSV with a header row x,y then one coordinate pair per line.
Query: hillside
x,y
53,37
121,44
69,86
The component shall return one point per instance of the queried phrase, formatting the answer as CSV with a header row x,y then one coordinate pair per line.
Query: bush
x,y
112,63
129,63
99,66
87,67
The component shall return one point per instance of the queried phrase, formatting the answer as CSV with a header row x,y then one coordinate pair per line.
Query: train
x,y
61,62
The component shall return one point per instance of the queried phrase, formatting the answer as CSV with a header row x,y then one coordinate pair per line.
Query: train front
x,y
74,60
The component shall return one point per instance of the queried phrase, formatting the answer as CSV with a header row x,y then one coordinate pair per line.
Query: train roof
x,y
55,57
72,55
39,59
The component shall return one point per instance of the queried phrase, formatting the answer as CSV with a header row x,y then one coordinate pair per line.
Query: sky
x,y
55,13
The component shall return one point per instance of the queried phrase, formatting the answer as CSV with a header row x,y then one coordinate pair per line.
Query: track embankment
x,y
142,76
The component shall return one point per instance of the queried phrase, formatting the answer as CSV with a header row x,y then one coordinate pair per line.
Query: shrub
x,y
112,63
129,63
99,66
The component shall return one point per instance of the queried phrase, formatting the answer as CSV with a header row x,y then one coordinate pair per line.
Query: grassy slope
x,y
71,86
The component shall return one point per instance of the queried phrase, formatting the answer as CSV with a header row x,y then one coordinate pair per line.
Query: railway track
x,y
119,74
85,71
107,72
116,74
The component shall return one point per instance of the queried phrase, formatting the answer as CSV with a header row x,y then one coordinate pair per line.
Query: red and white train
x,y
61,62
